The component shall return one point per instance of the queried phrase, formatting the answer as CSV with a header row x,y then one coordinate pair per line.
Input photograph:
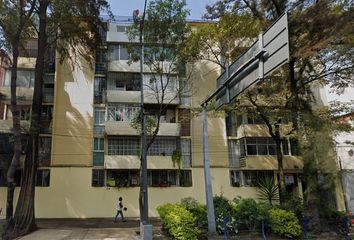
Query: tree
x,y
165,33
320,51
14,25
69,27
224,41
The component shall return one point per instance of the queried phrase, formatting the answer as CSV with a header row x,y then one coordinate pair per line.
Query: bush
x,y
284,223
250,213
198,210
223,209
180,223
295,204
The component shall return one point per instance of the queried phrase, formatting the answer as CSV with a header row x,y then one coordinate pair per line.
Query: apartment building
x,y
89,154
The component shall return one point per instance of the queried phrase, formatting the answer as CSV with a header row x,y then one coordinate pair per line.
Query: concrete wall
x,y
70,194
73,114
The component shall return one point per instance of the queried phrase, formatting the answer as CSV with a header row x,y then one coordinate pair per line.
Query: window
x,y
120,28
166,116
185,178
25,78
257,146
122,178
97,178
47,112
6,145
123,81
294,147
254,119
29,48
25,112
98,151
252,178
162,178
99,88
186,153
43,178
184,118
123,54
99,118
123,112
118,52
285,147
162,147
45,146
123,146
101,61
234,153
157,82
235,178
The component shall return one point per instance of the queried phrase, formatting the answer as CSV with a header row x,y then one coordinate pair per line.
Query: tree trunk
x,y
281,171
15,163
25,211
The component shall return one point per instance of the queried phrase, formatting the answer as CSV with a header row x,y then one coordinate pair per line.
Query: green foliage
x,y
198,210
223,209
180,223
176,158
167,28
295,204
149,121
284,223
225,39
250,213
268,190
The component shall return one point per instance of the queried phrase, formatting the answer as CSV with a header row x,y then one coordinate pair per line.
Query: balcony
x,y
24,94
116,96
6,126
133,162
125,129
270,163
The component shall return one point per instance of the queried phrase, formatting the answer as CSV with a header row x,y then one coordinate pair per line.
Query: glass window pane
x,y
251,149
124,55
272,150
262,150
285,147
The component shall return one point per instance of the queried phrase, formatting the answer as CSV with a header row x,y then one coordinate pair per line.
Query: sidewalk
x,y
99,228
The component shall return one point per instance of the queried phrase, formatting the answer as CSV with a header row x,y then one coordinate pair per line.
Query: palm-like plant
x,y
268,189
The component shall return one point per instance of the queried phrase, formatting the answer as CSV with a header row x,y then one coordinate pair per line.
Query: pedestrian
x,y
120,209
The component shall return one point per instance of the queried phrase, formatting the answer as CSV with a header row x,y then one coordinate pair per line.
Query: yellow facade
x,y
73,114
70,193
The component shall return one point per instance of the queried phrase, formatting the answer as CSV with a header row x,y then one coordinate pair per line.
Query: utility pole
x,y
207,176
145,226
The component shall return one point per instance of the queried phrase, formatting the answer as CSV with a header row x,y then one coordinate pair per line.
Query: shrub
x,y
284,223
180,223
295,204
198,210
250,213
223,209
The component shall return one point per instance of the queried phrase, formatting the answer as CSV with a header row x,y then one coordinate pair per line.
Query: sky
x,y
126,7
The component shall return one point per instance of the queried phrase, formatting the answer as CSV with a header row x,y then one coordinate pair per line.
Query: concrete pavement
x,y
100,228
